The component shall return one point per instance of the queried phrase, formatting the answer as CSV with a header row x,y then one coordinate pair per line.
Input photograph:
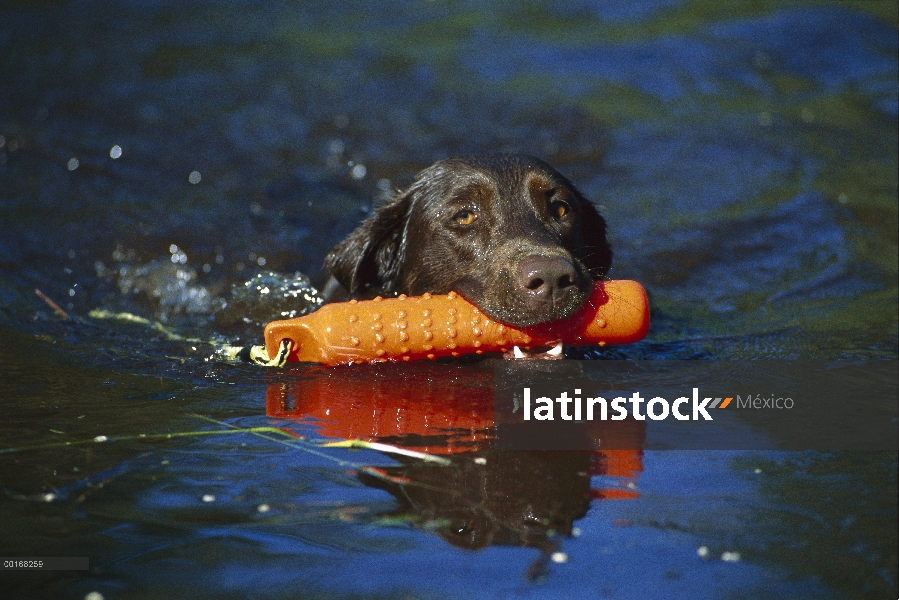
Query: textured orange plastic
x,y
433,326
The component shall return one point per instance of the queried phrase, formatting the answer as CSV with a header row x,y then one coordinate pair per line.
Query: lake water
x,y
172,161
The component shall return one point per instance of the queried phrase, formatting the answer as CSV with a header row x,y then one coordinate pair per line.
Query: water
x,y
173,160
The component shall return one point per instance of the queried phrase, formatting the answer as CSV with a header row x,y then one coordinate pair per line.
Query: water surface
x,y
173,160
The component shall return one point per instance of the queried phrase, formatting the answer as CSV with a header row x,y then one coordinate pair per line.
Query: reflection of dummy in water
x,y
485,496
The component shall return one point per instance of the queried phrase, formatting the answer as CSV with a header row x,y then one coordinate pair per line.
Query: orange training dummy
x,y
432,326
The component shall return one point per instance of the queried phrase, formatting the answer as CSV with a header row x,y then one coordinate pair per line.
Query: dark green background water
x,y
743,153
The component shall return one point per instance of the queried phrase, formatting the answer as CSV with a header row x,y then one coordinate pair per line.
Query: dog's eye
x,y
558,209
465,217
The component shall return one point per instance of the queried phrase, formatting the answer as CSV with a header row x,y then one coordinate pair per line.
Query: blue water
x,y
744,156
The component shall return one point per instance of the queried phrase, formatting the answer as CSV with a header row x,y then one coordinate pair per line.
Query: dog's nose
x,y
547,279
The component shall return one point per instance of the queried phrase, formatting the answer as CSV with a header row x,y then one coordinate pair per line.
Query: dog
x,y
507,232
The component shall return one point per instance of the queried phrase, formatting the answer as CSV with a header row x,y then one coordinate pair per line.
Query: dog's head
x,y
508,232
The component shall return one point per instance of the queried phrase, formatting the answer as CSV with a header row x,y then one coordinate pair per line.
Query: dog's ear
x,y
597,253
373,254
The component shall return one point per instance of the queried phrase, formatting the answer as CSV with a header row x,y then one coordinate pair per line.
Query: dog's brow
x,y
471,186
539,182
476,178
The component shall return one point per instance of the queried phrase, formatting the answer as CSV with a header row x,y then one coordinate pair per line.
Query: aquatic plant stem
x,y
58,309
101,439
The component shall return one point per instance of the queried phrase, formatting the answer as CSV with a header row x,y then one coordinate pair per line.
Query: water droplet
x,y
72,164
115,152
358,172
194,177
335,146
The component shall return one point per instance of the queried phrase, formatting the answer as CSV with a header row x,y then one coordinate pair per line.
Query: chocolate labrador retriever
x,y
507,232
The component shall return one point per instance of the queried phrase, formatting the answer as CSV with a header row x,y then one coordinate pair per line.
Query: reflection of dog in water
x,y
484,496
508,498
514,498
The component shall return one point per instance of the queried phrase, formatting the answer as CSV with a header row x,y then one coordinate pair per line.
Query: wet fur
x,y
415,244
